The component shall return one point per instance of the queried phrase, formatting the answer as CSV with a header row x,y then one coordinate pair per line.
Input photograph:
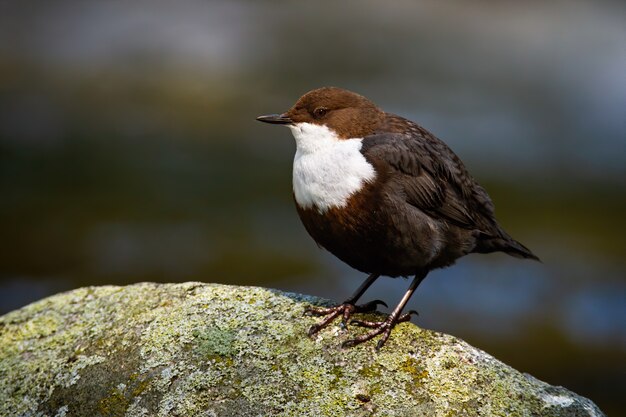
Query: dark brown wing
x,y
433,177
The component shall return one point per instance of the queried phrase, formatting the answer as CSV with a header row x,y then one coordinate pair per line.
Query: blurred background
x,y
129,152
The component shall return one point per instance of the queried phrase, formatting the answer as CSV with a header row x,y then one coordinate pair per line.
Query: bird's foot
x,y
344,310
380,327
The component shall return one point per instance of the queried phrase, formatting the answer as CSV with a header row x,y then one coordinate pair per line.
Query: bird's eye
x,y
320,112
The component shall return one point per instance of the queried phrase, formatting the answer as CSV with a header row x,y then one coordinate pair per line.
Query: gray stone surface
x,y
198,349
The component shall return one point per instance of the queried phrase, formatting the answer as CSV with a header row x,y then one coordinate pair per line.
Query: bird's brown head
x,y
348,114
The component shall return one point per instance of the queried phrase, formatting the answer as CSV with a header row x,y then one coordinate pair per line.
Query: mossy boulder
x,y
213,350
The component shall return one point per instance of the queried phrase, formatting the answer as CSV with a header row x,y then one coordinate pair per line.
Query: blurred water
x,y
129,152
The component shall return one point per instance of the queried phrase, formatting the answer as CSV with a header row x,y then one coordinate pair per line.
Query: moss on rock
x,y
213,350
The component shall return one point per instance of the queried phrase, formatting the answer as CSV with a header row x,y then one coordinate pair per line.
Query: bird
x,y
385,196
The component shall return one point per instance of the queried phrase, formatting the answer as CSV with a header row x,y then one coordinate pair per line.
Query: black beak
x,y
277,119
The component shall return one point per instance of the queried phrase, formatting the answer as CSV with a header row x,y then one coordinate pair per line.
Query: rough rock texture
x,y
212,350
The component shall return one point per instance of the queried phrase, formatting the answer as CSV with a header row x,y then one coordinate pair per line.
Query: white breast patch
x,y
327,170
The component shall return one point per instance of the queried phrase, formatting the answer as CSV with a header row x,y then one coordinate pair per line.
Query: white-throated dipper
x,y
385,196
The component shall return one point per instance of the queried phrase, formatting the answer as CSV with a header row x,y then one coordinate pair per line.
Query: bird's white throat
x,y
327,170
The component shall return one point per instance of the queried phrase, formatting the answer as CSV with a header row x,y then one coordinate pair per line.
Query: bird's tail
x,y
504,243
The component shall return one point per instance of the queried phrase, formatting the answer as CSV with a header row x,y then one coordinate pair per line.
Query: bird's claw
x,y
380,327
345,310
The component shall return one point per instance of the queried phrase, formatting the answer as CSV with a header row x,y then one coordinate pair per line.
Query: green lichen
x,y
210,350
114,404
214,341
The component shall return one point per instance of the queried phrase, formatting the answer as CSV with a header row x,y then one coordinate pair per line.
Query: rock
x,y
213,350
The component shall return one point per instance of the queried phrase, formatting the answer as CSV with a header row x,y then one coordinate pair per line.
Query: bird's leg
x,y
385,327
345,309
